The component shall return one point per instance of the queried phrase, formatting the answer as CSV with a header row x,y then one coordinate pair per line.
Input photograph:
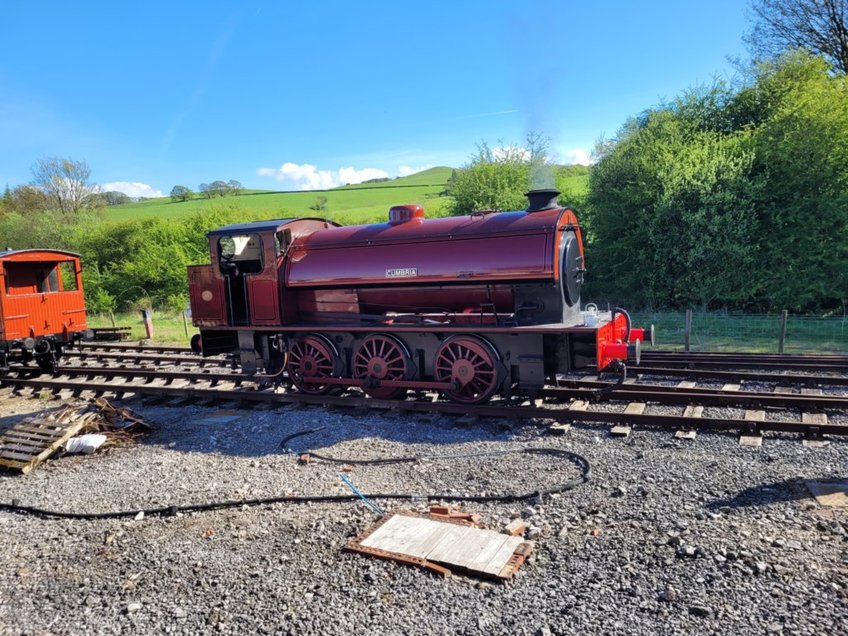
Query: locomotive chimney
x,y
542,199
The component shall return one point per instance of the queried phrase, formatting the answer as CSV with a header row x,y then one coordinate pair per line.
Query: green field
x,y
348,204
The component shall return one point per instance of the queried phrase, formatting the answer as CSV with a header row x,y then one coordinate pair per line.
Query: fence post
x,y
185,323
782,338
687,342
148,322
112,317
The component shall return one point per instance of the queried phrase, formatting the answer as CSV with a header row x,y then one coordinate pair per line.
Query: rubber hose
x,y
581,462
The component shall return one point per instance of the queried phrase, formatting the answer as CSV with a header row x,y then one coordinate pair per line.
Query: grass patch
x,y
168,328
757,333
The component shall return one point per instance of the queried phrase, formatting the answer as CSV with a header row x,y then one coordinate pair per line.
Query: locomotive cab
x,y
240,256
240,288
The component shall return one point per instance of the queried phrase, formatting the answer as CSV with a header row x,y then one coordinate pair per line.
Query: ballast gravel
x,y
669,536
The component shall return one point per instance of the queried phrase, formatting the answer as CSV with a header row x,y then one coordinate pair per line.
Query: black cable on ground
x,y
168,511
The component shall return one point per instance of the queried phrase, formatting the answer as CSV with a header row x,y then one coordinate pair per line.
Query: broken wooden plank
x,y
578,405
833,494
752,438
731,387
815,443
815,419
693,411
686,384
690,433
635,408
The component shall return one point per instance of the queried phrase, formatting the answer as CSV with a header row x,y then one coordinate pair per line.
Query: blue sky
x,y
282,95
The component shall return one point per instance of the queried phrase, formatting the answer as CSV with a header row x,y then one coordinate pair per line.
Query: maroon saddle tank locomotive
x,y
471,306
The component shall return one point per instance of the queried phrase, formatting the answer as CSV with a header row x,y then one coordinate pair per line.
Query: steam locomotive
x,y
471,306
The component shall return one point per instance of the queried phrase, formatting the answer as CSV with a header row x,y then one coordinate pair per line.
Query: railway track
x,y
727,367
623,405
147,357
114,347
593,391
806,362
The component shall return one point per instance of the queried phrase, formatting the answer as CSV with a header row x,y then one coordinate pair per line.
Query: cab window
x,y
240,254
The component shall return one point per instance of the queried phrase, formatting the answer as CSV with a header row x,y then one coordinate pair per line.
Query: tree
x,y
27,199
219,188
113,197
235,187
819,26
728,197
497,178
203,188
320,204
180,193
65,182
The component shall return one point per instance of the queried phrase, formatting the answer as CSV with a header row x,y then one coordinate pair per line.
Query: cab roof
x,y
261,226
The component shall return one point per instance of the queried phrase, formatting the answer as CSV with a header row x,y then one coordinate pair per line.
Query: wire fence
x,y
717,331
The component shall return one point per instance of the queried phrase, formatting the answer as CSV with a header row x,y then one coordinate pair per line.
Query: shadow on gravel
x,y
764,495
256,433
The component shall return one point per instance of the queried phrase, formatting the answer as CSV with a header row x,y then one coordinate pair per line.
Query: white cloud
x,y
405,171
308,177
578,155
132,189
351,175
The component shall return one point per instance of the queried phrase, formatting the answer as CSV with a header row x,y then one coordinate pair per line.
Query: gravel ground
x,y
669,537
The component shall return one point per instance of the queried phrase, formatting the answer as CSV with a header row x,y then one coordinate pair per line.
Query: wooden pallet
x,y
24,445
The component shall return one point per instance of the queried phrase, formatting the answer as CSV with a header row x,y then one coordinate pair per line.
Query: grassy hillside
x,y
349,204
352,204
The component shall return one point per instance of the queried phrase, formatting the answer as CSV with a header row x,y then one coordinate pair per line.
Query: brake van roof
x,y
27,255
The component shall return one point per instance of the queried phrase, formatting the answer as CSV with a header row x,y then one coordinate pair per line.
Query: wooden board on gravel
x,y
24,445
443,545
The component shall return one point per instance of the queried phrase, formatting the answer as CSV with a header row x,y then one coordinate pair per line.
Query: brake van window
x,y
31,278
68,274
